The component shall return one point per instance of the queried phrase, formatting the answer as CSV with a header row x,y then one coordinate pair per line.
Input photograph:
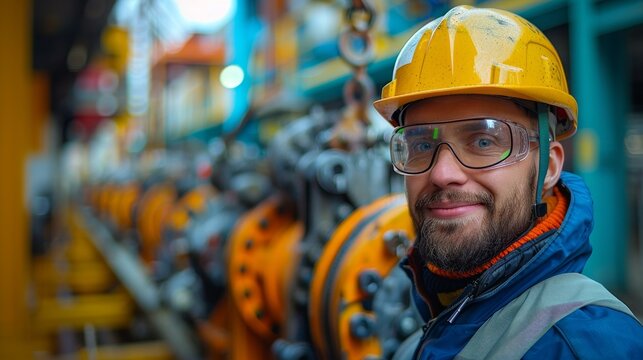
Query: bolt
x,y
406,326
389,347
263,223
259,313
300,297
362,326
285,350
390,236
305,275
247,293
249,244
397,242
243,269
313,253
343,211
369,282
322,237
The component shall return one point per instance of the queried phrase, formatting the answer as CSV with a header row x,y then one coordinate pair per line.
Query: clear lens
x,y
476,143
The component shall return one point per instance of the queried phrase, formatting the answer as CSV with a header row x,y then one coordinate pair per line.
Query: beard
x,y
461,245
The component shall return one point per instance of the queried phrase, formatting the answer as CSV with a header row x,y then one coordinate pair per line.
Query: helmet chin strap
x,y
539,208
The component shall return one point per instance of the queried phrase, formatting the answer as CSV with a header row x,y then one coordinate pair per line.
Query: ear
x,y
556,159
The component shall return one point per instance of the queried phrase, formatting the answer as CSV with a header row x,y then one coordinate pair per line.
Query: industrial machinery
x,y
287,251
288,255
360,300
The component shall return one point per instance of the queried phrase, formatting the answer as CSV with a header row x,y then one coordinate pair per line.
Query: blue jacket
x,y
592,332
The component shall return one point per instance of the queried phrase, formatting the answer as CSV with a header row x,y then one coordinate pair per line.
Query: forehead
x,y
459,107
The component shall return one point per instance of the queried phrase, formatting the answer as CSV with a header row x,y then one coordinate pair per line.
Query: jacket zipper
x,y
457,311
426,328
471,294
469,297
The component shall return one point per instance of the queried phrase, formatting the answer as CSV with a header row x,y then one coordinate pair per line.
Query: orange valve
x,y
356,275
152,213
263,250
192,204
103,199
130,194
113,203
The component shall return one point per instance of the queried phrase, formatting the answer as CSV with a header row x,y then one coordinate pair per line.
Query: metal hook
x,y
356,48
360,15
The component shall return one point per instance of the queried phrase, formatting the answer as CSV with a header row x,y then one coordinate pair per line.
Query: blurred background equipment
x,y
207,179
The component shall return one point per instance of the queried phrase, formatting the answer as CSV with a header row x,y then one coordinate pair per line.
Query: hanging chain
x,y
356,48
356,43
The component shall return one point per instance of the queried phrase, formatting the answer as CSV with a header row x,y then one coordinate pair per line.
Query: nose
x,y
446,170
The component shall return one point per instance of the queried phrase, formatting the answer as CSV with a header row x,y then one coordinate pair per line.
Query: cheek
x,y
413,186
502,182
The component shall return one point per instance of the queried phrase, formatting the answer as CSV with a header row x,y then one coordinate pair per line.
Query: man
x,y
479,101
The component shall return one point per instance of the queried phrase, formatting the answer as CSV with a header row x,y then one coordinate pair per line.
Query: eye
x,y
483,143
424,146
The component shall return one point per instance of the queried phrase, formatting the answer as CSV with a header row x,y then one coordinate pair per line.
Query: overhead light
x,y
231,76
205,15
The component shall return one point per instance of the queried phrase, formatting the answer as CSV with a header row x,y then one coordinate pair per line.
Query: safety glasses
x,y
477,144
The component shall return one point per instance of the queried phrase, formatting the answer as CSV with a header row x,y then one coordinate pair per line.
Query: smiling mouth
x,y
453,210
451,204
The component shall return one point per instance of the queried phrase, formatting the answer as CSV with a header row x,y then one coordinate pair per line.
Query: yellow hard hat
x,y
480,51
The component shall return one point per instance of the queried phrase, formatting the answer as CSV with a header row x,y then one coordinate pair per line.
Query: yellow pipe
x,y
154,350
15,127
80,277
105,310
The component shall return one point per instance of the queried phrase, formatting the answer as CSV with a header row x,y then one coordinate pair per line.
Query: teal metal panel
x,y
245,28
599,83
544,14
618,15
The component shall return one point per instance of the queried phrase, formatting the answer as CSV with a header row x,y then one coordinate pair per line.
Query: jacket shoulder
x,y
592,332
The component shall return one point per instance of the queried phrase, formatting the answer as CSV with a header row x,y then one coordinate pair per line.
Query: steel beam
x,y
15,127
599,82
129,270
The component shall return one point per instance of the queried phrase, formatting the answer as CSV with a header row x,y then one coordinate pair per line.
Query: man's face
x,y
464,217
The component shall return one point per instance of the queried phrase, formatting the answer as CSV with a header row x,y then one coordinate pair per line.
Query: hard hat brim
x,y
389,106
